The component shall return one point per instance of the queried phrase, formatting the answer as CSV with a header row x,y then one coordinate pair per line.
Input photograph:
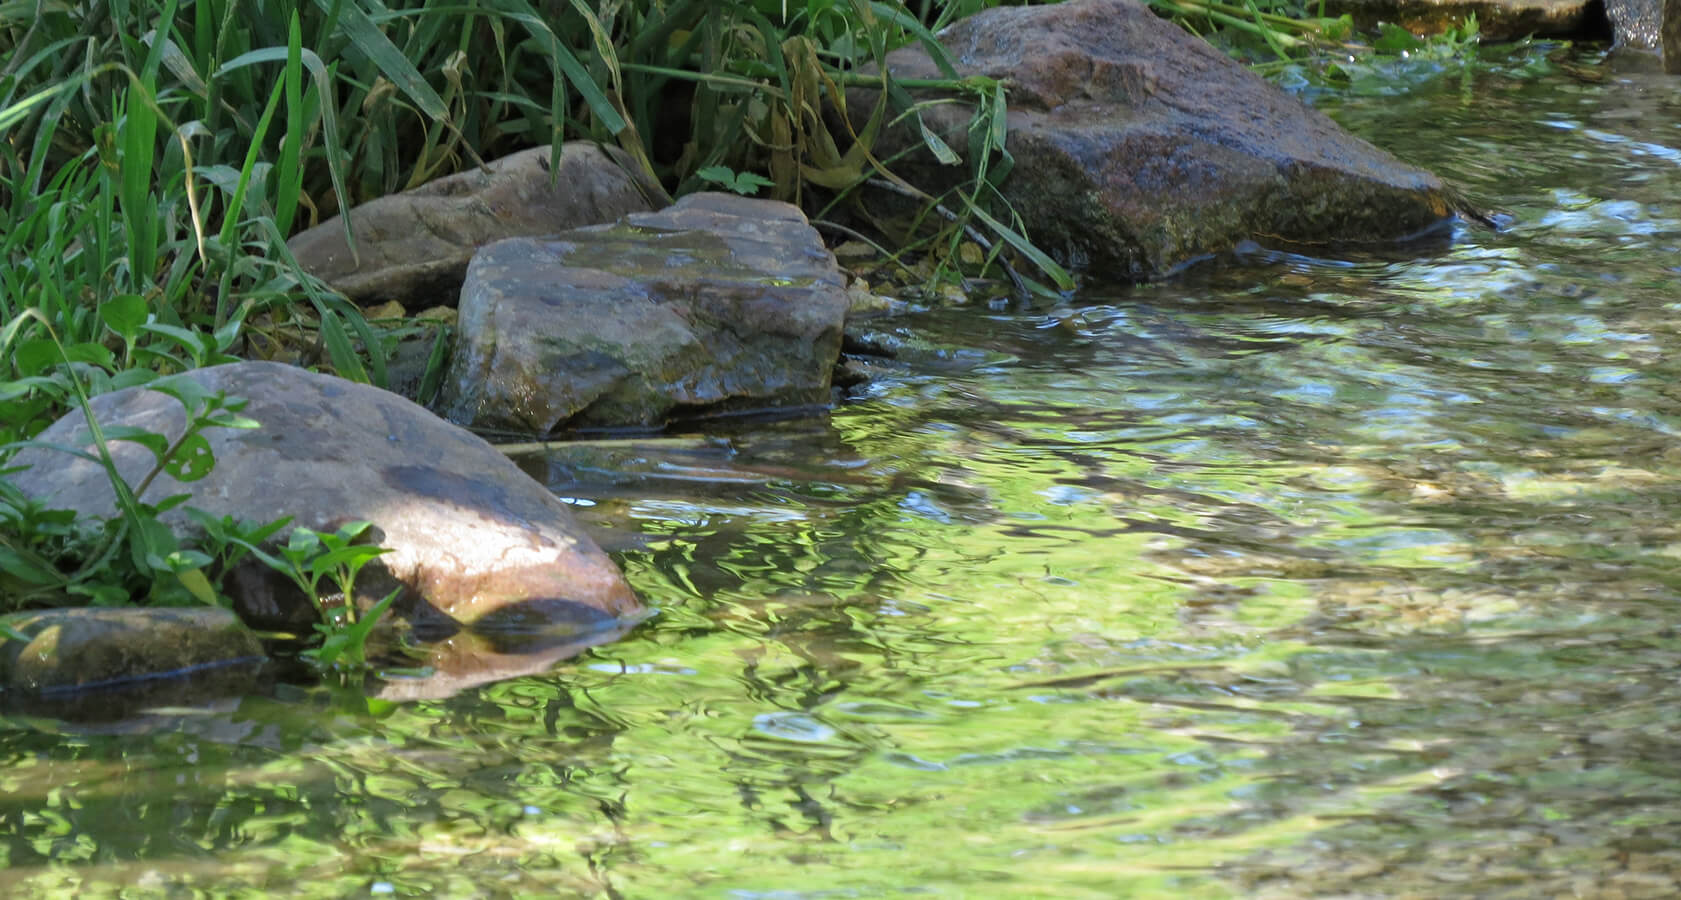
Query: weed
x,y
311,557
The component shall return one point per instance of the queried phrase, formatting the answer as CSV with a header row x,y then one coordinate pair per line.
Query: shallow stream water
x,y
1353,576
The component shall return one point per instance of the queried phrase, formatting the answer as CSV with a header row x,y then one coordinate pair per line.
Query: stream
x,y
1295,576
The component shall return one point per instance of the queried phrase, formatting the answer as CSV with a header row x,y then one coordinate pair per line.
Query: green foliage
x,y
153,160
1277,35
147,183
311,557
747,183
45,554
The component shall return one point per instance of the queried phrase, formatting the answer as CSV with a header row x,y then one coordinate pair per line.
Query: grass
x,y
154,159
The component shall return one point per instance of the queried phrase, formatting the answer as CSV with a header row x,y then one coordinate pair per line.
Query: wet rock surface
x,y
1139,148
717,303
60,651
414,247
471,535
1649,26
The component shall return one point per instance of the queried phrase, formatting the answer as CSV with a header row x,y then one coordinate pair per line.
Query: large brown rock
x,y
414,247
473,539
716,303
1139,148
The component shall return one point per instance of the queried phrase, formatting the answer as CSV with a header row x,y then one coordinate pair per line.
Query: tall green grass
x,y
155,157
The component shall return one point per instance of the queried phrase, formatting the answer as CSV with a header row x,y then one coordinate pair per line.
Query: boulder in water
x,y
1139,148
717,303
472,538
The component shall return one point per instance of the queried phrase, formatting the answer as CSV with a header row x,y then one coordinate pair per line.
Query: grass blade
x,y
289,182
373,43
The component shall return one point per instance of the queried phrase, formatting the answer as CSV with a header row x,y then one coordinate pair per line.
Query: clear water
x,y
1312,577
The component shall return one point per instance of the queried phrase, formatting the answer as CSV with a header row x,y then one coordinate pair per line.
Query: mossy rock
x,y
63,650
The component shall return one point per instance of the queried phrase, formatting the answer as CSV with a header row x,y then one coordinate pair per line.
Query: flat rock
x,y
1497,20
716,303
1139,148
473,539
97,649
414,247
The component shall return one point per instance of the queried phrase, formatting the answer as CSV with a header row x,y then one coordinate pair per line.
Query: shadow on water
x,y
1310,577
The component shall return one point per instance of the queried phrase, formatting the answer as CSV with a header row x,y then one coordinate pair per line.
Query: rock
x,y
716,303
1653,26
94,649
471,536
414,247
1497,20
1139,148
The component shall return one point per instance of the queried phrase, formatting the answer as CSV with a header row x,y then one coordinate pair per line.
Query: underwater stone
x,y
91,649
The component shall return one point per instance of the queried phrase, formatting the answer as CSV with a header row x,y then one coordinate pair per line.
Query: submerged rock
x,y
71,650
471,535
1139,148
414,247
716,303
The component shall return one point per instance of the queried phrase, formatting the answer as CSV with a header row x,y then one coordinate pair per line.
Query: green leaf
x,y
192,459
1049,266
190,341
1393,38
350,531
36,356
323,76
27,568
225,419
191,393
343,355
375,351
124,314
140,220
562,59
941,150
722,175
289,183
373,43
302,541
17,112
184,560
151,440
90,353
198,585
901,17
436,363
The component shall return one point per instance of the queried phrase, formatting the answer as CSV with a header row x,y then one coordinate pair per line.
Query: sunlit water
x,y
1351,577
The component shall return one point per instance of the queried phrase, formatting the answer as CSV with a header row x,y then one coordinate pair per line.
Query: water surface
x,y
1344,574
